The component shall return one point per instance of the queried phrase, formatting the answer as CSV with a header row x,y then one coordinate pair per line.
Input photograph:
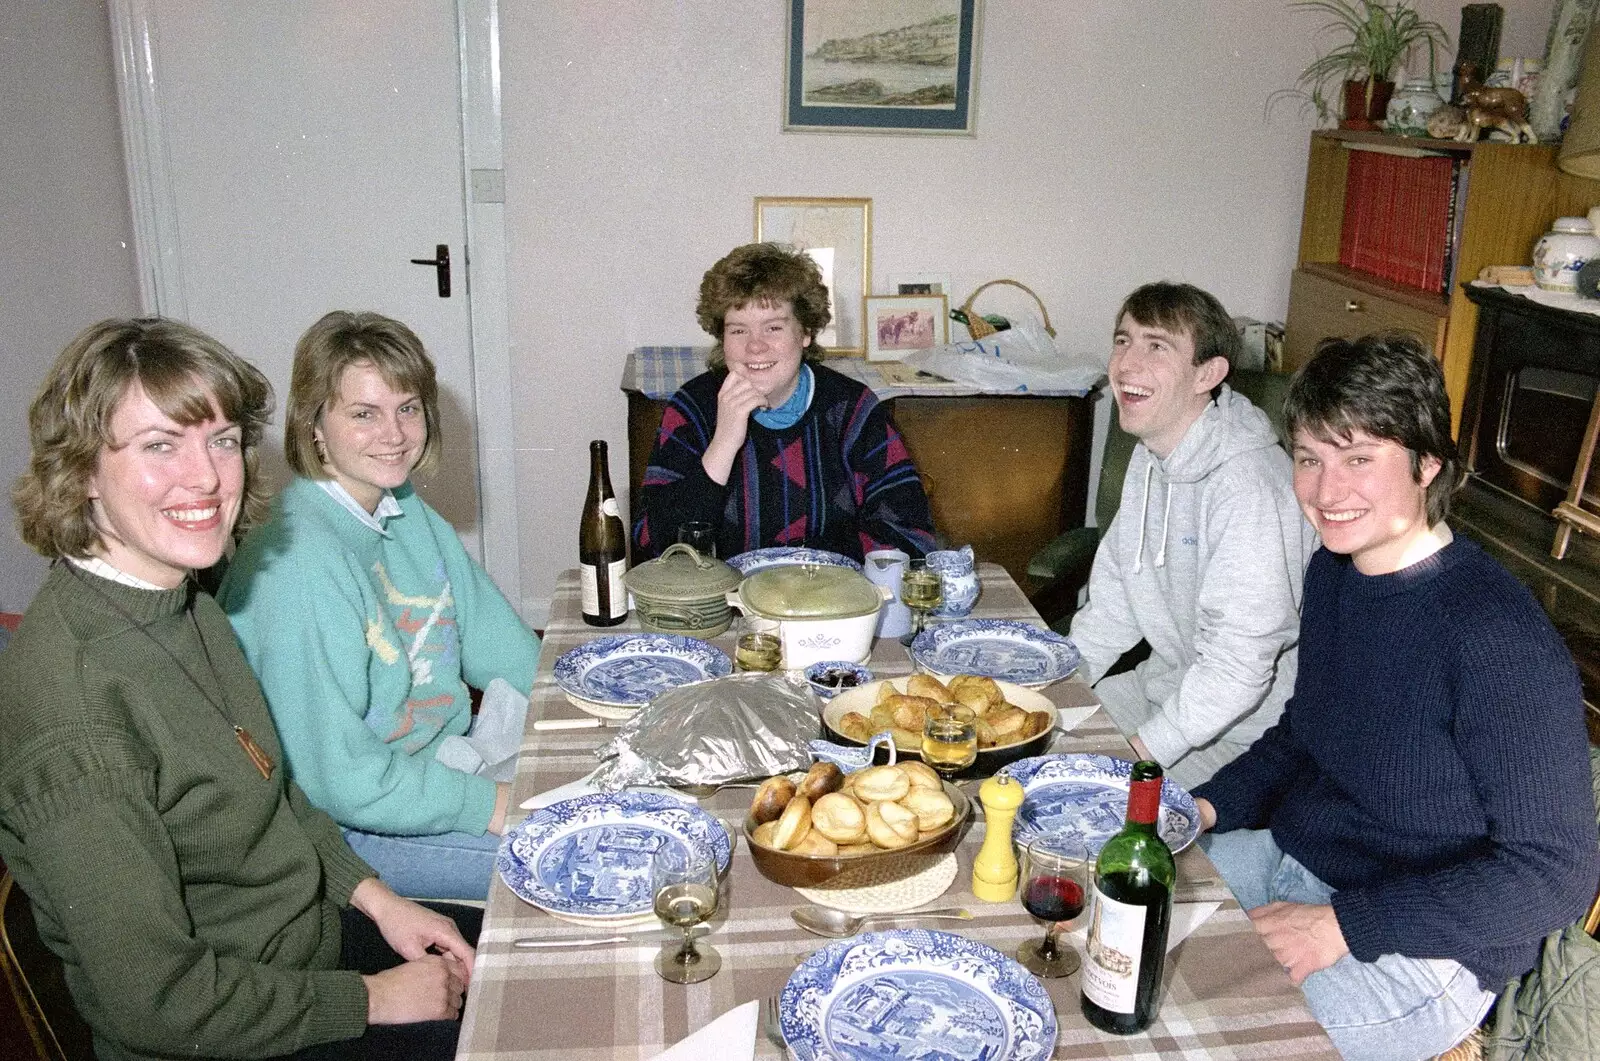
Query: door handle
x,y
441,264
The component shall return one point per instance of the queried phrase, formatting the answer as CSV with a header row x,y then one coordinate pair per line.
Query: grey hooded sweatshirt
x,y
1204,561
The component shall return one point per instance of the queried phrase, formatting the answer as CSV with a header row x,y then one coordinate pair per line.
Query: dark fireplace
x,y
1535,372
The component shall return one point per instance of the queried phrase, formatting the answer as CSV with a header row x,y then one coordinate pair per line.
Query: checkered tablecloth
x,y
1225,996
658,371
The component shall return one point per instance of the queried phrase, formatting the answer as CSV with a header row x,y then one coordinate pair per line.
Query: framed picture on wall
x,y
837,234
898,325
882,66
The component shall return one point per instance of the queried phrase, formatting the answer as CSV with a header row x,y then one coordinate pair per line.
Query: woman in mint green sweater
x,y
200,905
366,620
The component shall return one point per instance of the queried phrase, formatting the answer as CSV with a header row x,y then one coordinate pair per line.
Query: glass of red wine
x,y
1055,879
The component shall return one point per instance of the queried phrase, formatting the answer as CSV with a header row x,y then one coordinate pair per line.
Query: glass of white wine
x,y
684,883
950,739
921,590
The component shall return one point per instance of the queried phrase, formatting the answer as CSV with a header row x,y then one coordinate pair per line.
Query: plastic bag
x,y
1023,358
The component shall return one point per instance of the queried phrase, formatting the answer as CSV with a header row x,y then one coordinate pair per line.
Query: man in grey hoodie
x,y
1205,555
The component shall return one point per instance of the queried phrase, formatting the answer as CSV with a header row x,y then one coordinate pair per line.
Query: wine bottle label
x,y
1116,941
589,576
609,507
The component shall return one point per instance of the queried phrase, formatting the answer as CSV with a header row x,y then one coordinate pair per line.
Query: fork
x,y
772,1021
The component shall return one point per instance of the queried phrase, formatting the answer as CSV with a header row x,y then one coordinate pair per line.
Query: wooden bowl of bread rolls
x,y
804,831
1013,722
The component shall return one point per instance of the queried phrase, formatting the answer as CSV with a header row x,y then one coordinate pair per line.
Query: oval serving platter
x,y
1002,649
589,857
888,995
629,670
1085,796
778,556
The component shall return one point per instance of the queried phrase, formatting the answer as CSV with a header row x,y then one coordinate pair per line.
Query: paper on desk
x,y
731,1037
584,786
490,748
1070,718
1186,917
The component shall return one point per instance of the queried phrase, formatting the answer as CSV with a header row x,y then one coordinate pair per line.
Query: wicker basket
x,y
979,328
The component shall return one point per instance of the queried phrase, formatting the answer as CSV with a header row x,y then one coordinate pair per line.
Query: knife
x,y
529,943
543,724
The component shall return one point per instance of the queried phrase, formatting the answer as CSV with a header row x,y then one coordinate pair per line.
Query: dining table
x,y
1224,995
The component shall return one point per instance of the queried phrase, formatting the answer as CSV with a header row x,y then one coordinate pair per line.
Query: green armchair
x,y
1061,569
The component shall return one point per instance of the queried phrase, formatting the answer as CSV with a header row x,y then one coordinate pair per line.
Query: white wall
x,y
1118,141
64,228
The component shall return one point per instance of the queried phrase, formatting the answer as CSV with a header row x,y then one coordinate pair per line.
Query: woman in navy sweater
x,y
770,446
1419,818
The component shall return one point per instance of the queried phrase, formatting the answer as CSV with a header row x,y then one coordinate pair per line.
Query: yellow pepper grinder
x,y
994,871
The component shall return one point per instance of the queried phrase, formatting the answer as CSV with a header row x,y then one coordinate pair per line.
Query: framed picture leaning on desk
x,y
837,235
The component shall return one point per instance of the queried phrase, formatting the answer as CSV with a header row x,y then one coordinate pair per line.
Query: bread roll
x,y
881,783
867,848
840,818
929,686
820,780
890,825
771,798
886,689
932,808
921,775
762,834
987,738
882,718
814,843
909,740
794,824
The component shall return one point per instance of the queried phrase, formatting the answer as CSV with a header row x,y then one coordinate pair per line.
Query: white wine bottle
x,y
1132,912
602,547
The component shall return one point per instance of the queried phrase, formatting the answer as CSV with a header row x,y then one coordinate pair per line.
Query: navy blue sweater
x,y
1432,765
839,479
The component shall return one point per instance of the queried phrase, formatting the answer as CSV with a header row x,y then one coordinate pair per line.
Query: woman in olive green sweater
x,y
201,906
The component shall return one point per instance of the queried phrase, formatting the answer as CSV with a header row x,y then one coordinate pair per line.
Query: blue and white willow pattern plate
x,y
1085,797
590,856
1003,649
885,996
630,670
778,556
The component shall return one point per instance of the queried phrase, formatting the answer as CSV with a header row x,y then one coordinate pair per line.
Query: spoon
x,y
824,921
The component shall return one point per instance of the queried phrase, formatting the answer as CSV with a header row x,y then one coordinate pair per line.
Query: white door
x,y
313,148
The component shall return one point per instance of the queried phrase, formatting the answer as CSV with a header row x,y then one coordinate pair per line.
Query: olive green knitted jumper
x,y
194,902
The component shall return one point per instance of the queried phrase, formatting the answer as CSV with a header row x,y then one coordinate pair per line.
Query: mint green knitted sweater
x,y
365,643
194,902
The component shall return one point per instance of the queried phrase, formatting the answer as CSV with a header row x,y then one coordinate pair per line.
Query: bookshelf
x,y
1513,192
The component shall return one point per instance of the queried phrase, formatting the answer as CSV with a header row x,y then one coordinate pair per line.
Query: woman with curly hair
x,y
202,907
770,446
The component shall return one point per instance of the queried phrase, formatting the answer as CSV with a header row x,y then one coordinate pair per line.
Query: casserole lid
x,y
681,574
809,591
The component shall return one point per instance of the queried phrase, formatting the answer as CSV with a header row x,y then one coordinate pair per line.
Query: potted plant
x,y
1378,37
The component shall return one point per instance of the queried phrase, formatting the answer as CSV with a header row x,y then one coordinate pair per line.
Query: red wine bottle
x,y
602,547
1132,910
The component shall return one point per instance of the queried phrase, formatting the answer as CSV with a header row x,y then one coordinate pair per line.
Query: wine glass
x,y
950,739
699,534
921,590
684,883
1055,873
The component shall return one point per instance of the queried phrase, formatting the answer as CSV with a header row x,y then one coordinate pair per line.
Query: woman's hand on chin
x,y
736,400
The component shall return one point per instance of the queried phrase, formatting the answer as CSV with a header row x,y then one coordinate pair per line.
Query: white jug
x,y
884,567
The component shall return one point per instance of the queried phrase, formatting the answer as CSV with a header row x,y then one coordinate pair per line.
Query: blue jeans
x,y
1392,1009
443,866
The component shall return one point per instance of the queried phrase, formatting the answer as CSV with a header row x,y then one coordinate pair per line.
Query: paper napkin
x,y
731,1037
585,786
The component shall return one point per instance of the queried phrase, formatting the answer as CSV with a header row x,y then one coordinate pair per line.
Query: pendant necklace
x,y
257,755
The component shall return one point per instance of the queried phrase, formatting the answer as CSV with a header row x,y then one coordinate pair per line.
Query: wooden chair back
x,y
37,982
